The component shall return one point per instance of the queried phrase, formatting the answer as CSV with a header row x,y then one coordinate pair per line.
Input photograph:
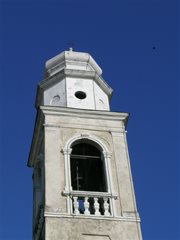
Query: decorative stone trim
x,y
90,194
83,135
106,157
67,152
85,113
107,154
118,133
83,216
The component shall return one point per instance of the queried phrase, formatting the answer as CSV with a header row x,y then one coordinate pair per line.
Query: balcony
x,y
91,203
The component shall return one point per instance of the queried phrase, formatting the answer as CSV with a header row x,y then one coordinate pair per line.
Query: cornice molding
x,y
82,216
68,112
84,113
118,133
63,73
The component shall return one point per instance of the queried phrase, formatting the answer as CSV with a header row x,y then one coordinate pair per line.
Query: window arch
x,y
88,176
73,147
87,167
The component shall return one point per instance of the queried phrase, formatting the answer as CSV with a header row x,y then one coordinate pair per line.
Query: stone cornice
x,y
67,112
63,73
82,216
83,113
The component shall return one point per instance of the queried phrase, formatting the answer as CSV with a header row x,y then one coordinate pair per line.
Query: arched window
x,y
88,176
87,167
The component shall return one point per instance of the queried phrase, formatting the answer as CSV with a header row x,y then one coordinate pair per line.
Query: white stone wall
x,y
62,94
101,99
55,95
85,85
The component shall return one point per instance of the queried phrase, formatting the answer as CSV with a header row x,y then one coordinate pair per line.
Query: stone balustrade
x,y
91,203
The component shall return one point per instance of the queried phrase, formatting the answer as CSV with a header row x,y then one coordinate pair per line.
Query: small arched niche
x,y
87,166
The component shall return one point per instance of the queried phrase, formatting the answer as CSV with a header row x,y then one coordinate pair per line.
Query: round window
x,y
80,94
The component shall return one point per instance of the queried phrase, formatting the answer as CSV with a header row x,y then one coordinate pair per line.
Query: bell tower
x,y
82,183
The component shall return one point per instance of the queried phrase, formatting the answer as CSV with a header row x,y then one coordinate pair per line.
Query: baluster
x,y
106,207
76,205
86,206
96,207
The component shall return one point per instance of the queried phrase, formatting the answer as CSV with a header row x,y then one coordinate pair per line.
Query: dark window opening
x,y
87,168
80,94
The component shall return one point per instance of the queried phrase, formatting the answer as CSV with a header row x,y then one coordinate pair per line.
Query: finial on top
x,y
71,46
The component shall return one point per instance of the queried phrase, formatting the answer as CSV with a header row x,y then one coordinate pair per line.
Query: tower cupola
x,y
74,80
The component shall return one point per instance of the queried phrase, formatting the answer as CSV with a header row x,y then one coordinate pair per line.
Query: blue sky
x,y
136,44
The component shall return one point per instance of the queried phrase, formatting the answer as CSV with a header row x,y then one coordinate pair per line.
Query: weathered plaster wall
x,y
94,229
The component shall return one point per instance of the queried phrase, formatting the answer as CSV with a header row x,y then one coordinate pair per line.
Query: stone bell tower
x,y
82,183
